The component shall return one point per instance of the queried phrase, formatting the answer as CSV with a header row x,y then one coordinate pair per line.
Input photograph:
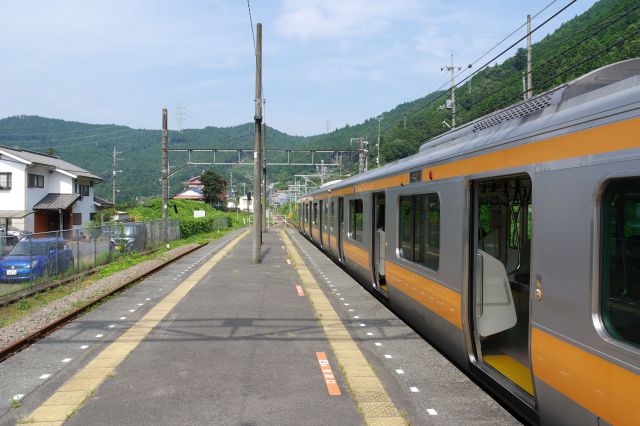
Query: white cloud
x,y
337,19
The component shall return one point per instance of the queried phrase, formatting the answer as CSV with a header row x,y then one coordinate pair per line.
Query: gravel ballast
x,y
60,307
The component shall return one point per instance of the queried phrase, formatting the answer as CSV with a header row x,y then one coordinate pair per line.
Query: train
x,y
512,244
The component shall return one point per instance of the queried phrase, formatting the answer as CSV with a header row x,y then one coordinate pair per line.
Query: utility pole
x,y
264,179
362,154
529,76
452,68
165,176
524,87
321,172
379,118
114,159
257,153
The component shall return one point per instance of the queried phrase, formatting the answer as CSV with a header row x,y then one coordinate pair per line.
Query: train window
x,y
620,260
355,220
315,213
420,229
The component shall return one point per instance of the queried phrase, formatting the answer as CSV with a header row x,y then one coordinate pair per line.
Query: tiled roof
x,y
49,160
56,202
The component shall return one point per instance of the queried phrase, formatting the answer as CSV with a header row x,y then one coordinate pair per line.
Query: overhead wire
x,y
433,101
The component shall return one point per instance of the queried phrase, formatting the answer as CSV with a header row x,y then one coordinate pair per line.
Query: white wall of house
x,y
85,205
35,194
14,198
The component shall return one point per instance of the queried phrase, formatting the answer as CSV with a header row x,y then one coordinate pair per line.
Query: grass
x,y
15,403
15,311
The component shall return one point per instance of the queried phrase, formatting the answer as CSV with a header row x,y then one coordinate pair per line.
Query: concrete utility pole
x,y
264,178
379,118
114,159
452,68
165,176
529,76
257,153
362,154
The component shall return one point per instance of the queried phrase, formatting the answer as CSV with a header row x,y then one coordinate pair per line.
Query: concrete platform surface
x,y
215,339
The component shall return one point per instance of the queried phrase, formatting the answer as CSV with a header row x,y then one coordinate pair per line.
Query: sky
x,y
326,63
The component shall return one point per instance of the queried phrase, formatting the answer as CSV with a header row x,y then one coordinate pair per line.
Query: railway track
x,y
24,342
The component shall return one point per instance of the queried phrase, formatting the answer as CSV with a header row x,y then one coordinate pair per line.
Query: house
x,y
194,190
42,193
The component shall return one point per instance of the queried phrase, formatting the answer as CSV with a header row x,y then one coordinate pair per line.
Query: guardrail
x,y
33,262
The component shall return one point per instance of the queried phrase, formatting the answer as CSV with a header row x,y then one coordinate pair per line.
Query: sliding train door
x,y
500,279
378,242
340,229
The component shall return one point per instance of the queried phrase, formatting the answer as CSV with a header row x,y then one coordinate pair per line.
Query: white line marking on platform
x,y
132,310
350,310
288,262
432,412
112,326
123,318
346,304
84,346
148,298
414,389
378,344
400,371
99,335
338,294
140,304
66,360
387,356
342,298
44,376
356,317
369,334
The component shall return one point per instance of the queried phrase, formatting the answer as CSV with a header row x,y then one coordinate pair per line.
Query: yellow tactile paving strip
x,y
363,384
70,396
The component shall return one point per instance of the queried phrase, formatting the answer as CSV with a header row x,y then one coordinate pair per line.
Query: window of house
x,y
92,216
83,190
620,260
35,181
77,218
419,229
356,220
5,180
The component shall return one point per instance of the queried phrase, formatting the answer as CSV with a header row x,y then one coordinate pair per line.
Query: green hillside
x,y
606,33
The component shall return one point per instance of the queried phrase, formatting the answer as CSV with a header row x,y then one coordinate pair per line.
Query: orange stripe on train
x,y
436,297
607,390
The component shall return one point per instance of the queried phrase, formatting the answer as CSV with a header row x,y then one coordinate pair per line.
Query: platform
x,y
215,339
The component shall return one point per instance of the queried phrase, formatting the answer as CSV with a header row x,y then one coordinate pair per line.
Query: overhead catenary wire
x,y
460,83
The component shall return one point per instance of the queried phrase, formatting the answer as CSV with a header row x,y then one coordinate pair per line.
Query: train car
x,y
512,243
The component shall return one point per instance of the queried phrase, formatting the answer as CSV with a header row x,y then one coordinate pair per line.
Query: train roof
x,y
550,111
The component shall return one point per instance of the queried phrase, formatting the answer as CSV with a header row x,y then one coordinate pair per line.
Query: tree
x,y
214,185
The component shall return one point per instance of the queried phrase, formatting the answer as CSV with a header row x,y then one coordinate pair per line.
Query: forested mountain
x,y
608,32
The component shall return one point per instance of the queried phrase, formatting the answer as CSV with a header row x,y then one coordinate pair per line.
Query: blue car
x,y
31,259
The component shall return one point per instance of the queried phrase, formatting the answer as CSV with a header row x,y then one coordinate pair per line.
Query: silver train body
x,y
503,243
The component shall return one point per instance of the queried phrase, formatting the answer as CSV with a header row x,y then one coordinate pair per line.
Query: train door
x,y
500,278
340,228
378,242
321,220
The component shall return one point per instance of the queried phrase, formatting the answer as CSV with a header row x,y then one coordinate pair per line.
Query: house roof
x,y
32,157
56,202
101,202
190,194
14,214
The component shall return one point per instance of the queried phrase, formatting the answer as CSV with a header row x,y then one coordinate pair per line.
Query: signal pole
x,y
452,68
529,76
257,153
165,176
114,159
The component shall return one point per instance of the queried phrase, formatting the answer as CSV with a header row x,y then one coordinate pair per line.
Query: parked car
x,y
34,258
128,237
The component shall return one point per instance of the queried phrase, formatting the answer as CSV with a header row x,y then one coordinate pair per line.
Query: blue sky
x,y
326,62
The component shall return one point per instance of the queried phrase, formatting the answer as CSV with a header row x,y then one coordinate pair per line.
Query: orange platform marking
x,y
329,378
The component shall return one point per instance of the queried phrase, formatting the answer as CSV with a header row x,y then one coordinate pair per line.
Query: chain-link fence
x,y
30,261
